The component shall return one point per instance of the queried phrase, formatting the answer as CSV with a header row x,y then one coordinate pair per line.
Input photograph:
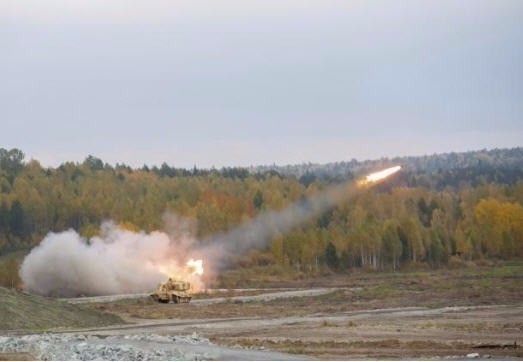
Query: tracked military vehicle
x,y
176,291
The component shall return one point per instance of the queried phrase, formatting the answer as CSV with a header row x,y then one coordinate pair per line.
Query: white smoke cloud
x,y
118,261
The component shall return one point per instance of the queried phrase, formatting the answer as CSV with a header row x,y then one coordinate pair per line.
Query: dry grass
x,y
22,311
326,323
20,356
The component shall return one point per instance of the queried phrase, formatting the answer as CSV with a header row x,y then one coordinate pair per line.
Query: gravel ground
x,y
81,347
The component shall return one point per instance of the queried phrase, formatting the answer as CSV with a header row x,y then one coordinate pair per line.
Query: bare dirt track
x,y
413,332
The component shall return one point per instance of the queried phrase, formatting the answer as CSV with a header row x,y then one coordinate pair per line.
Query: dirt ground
x,y
422,315
22,356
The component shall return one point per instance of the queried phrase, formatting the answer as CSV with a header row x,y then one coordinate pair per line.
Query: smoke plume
x,y
118,261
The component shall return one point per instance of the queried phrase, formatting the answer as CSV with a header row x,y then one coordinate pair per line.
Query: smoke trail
x,y
116,262
258,232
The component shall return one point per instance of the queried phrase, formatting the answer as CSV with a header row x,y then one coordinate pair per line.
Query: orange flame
x,y
195,266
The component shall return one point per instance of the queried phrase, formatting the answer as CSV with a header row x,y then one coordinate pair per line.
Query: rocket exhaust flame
x,y
170,268
380,175
196,266
121,261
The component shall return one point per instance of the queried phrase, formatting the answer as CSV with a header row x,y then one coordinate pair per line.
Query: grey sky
x,y
258,82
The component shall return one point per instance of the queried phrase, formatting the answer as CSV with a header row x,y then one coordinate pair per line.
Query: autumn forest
x,y
439,211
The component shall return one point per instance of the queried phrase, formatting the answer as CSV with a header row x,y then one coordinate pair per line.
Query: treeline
x,y
433,171
416,218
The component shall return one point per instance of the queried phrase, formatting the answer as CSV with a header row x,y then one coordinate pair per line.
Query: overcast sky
x,y
244,82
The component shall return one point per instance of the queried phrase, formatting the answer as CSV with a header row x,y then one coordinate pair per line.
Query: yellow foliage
x,y
127,225
90,230
499,227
